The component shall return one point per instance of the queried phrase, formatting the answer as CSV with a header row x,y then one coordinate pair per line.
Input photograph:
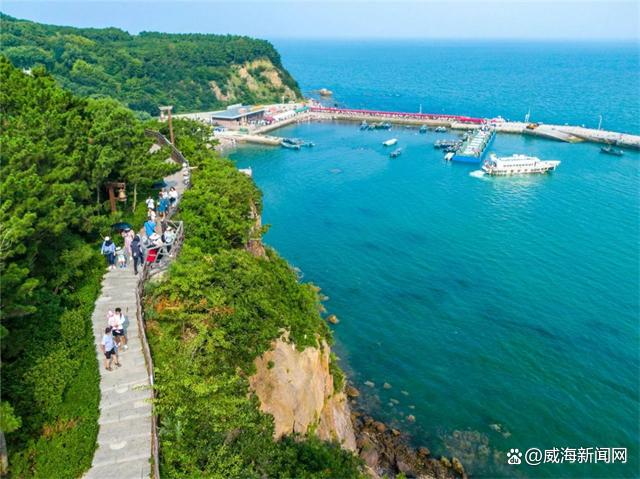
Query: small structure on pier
x,y
236,116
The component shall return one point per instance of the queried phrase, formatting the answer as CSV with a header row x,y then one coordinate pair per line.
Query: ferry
x,y
517,164
610,150
390,142
396,153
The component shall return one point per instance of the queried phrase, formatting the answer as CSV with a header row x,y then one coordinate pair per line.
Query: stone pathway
x,y
124,436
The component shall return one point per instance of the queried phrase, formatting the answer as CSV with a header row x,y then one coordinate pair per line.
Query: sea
x,y
501,314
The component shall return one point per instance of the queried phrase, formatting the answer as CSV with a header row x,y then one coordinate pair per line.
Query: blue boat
x,y
423,129
475,146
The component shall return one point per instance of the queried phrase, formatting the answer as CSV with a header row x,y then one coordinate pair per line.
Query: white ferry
x,y
517,165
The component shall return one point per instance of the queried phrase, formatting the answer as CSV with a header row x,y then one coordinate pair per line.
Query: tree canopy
x,y
57,152
193,72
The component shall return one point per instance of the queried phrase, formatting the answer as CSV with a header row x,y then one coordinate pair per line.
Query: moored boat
x,y
290,143
396,153
390,142
517,165
423,129
610,150
440,129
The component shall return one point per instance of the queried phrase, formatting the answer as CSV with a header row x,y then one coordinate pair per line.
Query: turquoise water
x,y
505,308
558,82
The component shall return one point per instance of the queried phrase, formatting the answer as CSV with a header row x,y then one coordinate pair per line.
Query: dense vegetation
x,y
150,69
57,151
217,310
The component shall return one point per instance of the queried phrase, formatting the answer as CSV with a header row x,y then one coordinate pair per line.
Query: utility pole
x,y
167,110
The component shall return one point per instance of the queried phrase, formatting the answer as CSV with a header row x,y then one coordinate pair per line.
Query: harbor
x,y
251,124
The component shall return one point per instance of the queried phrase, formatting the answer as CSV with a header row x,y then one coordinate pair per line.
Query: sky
x,y
515,19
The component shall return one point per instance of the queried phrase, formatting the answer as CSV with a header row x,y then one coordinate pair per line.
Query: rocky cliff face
x,y
296,388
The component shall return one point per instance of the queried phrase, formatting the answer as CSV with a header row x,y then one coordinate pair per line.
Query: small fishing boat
x,y
390,142
364,125
449,156
396,153
423,129
289,143
610,150
440,129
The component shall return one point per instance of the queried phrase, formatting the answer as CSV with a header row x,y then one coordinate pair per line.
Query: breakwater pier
x,y
256,132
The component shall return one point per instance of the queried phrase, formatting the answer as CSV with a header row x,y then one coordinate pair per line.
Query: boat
x,y
289,143
610,150
364,125
440,129
396,153
423,129
517,165
444,144
390,142
449,156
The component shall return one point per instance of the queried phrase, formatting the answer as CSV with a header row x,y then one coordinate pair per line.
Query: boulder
x,y
333,319
386,386
352,392
457,466
369,455
411,418
445,462
424,451
371,384
379,426
395,432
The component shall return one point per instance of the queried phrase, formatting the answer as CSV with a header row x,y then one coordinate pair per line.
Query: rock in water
x,y
379,426
333,319
386,386
371,384
457,466
411,418
352,392
424,451
405,393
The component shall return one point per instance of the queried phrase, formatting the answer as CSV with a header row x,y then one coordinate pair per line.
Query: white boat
x,y
449,156
390,142
517,165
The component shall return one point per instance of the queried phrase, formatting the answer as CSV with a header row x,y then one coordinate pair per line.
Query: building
x,y
237,116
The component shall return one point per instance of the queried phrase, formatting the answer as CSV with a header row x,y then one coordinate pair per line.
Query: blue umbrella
x,y
121,226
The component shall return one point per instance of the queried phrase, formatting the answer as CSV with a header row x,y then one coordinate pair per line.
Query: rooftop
x,y
234,112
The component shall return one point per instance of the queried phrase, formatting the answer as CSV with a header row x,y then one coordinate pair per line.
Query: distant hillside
x,y
193,72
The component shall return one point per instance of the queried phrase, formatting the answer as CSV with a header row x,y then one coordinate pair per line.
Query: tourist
x,y
121,258
149,227
173,197
118,330
108,249
168,237
108,347
150,203
137,253
151,214
128,235
163,204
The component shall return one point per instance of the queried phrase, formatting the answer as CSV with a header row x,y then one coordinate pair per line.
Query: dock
x,y
565,133
475,146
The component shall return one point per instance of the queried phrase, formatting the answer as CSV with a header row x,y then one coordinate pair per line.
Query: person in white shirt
x,y
117,323
150,203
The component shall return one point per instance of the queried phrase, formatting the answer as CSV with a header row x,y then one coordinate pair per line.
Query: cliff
x,y
297,389
193,72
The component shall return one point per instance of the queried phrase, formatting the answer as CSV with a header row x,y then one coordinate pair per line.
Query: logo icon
x,y
514,456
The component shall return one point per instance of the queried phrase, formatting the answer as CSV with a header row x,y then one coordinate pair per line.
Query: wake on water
x,y
477,174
